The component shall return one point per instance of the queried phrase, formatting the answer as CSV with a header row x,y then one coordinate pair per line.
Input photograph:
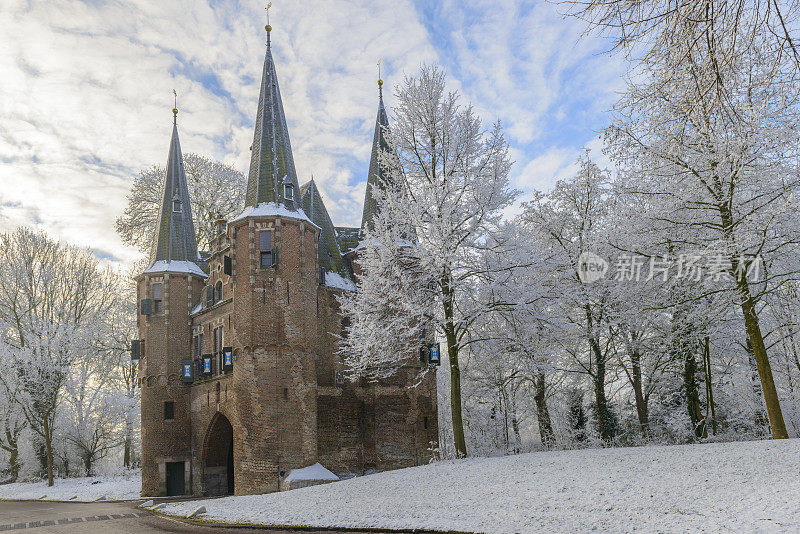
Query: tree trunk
x,y
604,423
692,394
542,413
710,410
515,428
11,446
638,393
455,371
87,463
577,416
126,457
776,422
48,447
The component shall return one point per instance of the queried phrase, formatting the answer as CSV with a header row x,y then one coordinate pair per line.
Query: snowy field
x,y
725,487
112,488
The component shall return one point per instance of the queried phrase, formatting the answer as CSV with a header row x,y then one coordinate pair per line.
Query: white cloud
x,y
86,93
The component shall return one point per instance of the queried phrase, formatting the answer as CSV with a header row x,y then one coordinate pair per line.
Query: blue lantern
x,y
186,371
227,359
434,354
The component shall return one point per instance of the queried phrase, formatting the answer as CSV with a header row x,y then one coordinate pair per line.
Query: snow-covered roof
x,y
333,279
312,472
271,209
175,266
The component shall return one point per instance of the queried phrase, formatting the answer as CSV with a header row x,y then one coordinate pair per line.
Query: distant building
x,y
240,377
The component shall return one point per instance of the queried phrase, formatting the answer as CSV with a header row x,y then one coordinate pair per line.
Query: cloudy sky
x,y
86,92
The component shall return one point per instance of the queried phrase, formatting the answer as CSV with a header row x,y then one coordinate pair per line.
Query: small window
x,y
218,348
266,259
218,291
157,298
288,191
265,240
169,411
198,346
176,206
208,294
425,423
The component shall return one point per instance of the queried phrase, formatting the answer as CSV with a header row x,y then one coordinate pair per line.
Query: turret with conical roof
x,y
175,244
166,291
377,174
272,177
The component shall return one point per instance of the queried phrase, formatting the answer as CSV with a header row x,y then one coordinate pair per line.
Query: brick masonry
x,y
284,405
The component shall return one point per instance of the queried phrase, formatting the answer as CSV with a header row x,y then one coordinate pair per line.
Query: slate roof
x,y
175,238
330,256
271,161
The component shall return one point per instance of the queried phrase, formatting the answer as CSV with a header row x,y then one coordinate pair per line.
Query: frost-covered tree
x,y
569,224
53,300
447,183
659,29
217,191
715,148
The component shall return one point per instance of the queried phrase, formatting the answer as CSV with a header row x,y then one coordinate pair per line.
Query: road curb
x,y
301,528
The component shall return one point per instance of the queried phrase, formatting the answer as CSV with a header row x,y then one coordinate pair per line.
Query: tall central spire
x,y
272,176
377,174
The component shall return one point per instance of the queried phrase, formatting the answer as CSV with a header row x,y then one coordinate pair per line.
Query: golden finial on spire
x,y
380,81
268,27
175,109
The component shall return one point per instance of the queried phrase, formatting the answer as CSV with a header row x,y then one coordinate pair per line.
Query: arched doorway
x,y
218,457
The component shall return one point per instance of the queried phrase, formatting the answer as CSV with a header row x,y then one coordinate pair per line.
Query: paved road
x,y
106,517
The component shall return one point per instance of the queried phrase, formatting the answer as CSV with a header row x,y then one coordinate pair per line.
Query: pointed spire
x,y
175,238
272,169
377,174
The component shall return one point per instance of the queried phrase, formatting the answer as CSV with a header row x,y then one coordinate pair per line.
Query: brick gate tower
x,y
241,379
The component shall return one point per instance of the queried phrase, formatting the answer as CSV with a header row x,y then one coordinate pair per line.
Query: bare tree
x,y
217,191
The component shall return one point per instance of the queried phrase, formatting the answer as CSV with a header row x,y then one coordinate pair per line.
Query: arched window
x,y
218,292
288,191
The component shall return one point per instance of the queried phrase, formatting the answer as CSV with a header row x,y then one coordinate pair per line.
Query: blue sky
x,y
86,92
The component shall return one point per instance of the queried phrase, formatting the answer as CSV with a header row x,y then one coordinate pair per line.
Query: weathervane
x,y
380,80
268,27
175,109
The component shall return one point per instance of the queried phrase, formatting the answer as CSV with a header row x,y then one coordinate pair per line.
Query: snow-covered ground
x,y
112,488
723,487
